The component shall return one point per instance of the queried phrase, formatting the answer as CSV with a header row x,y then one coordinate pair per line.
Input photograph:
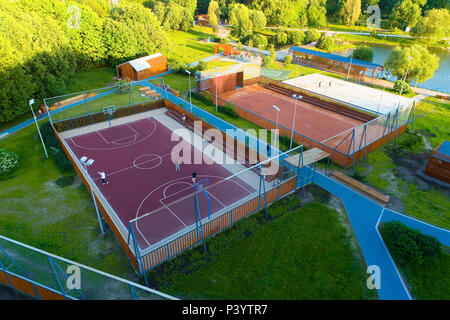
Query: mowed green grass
x,y
186,46
178,82
60,220
301,253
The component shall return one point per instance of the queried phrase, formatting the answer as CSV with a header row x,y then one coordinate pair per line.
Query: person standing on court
x,y
177,165
103,176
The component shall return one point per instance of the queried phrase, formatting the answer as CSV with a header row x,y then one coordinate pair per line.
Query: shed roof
x,y
142,63
356,62
443,151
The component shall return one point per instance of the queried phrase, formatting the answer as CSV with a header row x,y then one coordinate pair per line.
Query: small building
x,y
357,69
439,163
142,68
202,19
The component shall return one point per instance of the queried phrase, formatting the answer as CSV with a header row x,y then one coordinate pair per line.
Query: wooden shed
x,y
202,19
142,68
439,163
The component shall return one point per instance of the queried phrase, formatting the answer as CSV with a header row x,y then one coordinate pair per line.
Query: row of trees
x,y
43,42
317,13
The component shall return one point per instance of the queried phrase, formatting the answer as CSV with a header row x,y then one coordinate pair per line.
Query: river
x,y
440,80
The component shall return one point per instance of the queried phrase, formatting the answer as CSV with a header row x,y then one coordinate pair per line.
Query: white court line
x,y
216,199
118,147
164,205
137,133
101,137
133,166
172,184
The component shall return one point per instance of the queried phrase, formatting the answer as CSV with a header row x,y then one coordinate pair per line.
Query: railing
x,y
46,276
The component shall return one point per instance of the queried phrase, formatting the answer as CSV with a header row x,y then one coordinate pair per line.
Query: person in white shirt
x,y
103,176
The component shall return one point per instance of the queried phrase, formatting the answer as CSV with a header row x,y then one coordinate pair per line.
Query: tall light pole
x,y
190,97
276,122
296,97
407,70
217,68
86,163
39,131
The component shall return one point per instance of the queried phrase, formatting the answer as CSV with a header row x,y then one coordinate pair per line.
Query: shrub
x,y
55,150
281,38
65,181
224,40
267,61
178,66
208,96
374,33
398,87
9,161
297,38
288,59
202,65
229,111
326,43
409,247
123,86
364,53
311,36
259,41
411,141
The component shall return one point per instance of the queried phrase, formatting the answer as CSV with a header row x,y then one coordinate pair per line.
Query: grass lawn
x,y
299,253
186,46
431,280
60,219
91,79
391,41
177,81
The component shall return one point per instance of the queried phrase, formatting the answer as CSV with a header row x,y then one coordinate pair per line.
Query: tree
x,y
325,43
259,41
416,62
405,14
311,36
240,21
213,9
258,19
437,4
349,12
281,38
435,25
317,13
364,53
297,37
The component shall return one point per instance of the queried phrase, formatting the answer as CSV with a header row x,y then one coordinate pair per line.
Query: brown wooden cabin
x,y
439,163
142,68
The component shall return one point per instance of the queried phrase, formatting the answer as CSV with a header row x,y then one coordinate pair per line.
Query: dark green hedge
x,y
409,247
54,148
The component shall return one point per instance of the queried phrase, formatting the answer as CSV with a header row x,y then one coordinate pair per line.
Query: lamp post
x,y
296,97
87,163
190,97
39,131
350,66
217,68
276,122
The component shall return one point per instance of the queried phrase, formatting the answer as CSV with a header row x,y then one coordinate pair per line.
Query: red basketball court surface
x,y
136,158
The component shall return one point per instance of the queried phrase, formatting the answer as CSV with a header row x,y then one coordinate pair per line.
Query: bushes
x,y
364,53
55,150
9,161
267,61
326,43
288,59
202,65
398,87
311,36
297,37
281,38
409,247
259,41
229,111
123,86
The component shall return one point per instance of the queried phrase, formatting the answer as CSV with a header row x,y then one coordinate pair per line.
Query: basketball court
x,y
143,181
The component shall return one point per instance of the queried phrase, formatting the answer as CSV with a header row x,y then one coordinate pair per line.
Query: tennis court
x,y
142,180
310,120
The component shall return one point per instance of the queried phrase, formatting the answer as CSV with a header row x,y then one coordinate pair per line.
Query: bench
x,y
144,89
179,118
361,187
